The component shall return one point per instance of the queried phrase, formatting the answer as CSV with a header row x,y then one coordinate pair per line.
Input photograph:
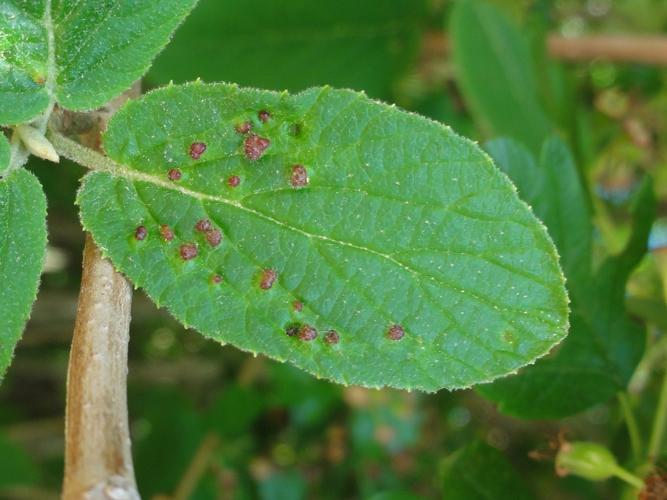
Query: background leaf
x,y
495,72
16,466
480,472
553,188
22,247
5,154
297,44
399,232
604,345
98,50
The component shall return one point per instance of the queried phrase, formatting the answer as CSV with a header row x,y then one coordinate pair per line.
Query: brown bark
x,y
98,455
617,48
635,49
98,460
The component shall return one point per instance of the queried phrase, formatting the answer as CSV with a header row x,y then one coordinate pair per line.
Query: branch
x,y
631,49
617,48
98,456
98,460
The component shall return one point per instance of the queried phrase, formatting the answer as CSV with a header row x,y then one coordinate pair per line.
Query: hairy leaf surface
x,y
495,72
22,247
552,187
297,44
334,213
79,54
604,345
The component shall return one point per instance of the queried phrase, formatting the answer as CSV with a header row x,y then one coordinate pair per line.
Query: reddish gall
x,y
395,332
166,232
267,279
197,149
174,174
188,251
140,233
299,176
254,147
332,337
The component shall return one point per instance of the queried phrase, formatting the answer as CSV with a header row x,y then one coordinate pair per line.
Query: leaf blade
x,y
103,47
340,246
486,43
79,54
604,345
22,249
23,61
295,45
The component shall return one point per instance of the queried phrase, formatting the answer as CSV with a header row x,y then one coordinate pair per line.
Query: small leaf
x,y
494,69
402,227
22,247
297,44
79,54
480,472
604,345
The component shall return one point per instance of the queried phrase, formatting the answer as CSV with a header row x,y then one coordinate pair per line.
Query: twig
x,y
197,467
637,49
98,458
619,48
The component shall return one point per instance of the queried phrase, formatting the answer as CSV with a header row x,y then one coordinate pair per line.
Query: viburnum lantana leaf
x,y
496,74
604,345
79,54
22,247
362,243
297,44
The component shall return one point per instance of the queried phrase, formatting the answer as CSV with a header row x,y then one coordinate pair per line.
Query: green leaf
x,y
554,190
5,154
79,54
297,44
604,345
23,57
406,240
480,472
495,72
172,432
22,247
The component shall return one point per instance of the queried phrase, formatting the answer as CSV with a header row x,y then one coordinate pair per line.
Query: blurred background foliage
x,y
212,422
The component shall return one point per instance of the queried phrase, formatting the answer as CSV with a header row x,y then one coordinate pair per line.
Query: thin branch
x,y
634,49
619,48
98,460
98,457
197,468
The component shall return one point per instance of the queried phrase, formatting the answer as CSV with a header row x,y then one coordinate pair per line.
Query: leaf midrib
x,y
426,372
98,162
